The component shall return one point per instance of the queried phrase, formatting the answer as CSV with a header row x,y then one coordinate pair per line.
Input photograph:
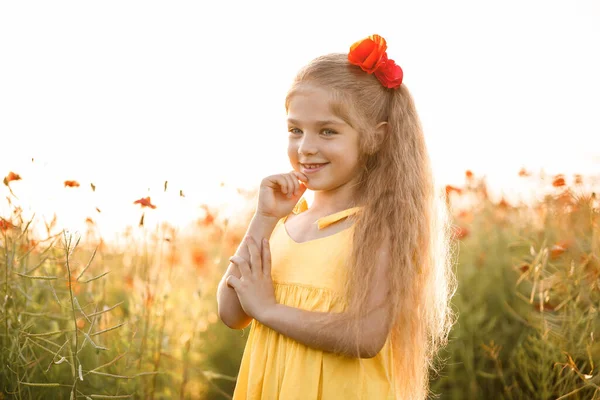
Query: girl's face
x,y
318,138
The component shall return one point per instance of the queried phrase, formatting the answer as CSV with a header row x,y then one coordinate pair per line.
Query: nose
x,y
307,145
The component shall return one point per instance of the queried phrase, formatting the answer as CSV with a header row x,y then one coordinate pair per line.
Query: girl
x,y
350,298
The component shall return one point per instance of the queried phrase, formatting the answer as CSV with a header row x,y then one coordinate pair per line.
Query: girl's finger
x,y
300,176
283,183
266,257
242,265
296,184
275,182
255,259
233,282
291,185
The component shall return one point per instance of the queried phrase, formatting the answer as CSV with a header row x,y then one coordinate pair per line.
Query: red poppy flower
x,y
524,267
368,53
450,189
503,203
389,73
27,246
559,248
543,307
208,219
558,181
11,177
523,172
149,298
145,202
71,184
74,285
5,225
129,281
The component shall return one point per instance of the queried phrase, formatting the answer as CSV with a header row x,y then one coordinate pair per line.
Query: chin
x,y
316,187
309,186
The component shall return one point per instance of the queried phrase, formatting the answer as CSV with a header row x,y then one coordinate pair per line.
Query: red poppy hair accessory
x,y
370,55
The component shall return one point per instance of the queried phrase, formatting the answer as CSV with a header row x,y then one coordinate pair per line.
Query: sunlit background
x,y
126,95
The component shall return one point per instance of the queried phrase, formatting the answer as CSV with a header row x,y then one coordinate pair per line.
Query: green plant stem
x,y
158,350
5,301
186,362
68,245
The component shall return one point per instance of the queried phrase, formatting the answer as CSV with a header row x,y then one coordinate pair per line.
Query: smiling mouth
x,y
313,166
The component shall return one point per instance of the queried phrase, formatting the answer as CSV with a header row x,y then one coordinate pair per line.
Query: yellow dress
x,y
310,276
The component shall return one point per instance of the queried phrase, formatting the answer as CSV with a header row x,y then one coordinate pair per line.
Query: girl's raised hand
x,y
279,194
255,287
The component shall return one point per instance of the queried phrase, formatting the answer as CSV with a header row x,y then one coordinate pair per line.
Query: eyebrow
x,y
317,123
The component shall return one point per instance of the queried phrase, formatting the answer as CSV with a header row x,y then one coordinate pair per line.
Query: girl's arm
x,y
323,330
229,309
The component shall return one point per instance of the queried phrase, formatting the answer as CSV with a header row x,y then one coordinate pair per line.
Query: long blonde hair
x,y
398,196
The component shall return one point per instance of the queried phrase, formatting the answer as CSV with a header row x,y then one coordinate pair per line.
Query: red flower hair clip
x,y
370,55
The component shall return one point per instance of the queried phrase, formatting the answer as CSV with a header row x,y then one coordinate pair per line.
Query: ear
x,y
381,131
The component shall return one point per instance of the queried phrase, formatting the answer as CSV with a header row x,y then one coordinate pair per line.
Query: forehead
x,y
310,103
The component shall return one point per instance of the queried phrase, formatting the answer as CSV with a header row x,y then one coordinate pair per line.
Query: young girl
x,y
350,298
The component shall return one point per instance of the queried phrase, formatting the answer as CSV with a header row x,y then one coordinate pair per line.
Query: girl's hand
x,y
279,194
255,287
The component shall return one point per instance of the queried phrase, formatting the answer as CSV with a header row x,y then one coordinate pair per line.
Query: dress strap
x,y
330,219
323,222
301,206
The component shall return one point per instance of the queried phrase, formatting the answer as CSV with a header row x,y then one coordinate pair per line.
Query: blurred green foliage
x,y
83,319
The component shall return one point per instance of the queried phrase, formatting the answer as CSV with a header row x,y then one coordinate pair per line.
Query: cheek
x,y
348,157
292,152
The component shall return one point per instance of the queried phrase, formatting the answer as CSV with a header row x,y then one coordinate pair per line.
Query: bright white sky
x,y
128,94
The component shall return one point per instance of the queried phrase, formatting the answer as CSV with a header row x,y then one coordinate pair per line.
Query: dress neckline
x,y
322,222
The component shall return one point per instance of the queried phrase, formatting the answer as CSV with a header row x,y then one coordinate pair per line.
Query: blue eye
x,y
326,132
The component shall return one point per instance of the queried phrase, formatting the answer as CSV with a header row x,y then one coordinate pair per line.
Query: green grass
x,y
84,320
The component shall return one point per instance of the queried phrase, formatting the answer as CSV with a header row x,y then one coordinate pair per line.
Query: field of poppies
x,y
80,318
